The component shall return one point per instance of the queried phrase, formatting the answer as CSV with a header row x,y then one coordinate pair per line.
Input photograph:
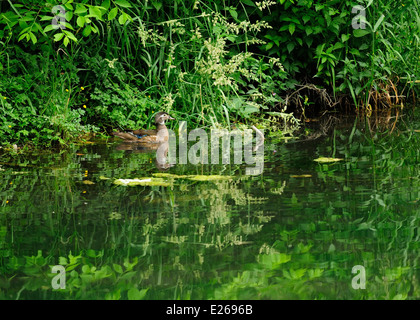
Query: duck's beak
x,y
170,118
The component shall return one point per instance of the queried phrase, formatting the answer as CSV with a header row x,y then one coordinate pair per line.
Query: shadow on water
x,y
296,231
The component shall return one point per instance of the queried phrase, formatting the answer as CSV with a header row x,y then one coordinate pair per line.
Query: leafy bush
x,y
39,103
318,40
212,62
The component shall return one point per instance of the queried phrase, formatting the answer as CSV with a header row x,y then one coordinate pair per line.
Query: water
x,y
296,231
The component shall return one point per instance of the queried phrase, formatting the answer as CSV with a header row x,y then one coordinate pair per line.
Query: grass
x,y
211,63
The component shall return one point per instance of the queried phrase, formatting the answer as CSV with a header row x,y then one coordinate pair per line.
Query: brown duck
x,y
159,135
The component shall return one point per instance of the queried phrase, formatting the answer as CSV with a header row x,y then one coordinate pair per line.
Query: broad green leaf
x,y
106,4
22,36
81,21
345,37
123,3
94,254
284,28
337,45
248,3
70,35
135,294
87,30
45,18
355,52
49,28
69,15
95,12
306,19
364,47
360,33
33,38
25,30
233,13
292,28
66,41
113,13
157,5
68,26
86,269
117,268
122,19
80,9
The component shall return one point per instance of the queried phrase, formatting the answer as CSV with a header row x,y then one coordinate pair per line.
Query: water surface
x,y
296,231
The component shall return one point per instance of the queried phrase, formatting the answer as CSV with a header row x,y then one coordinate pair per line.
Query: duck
x,y
160,135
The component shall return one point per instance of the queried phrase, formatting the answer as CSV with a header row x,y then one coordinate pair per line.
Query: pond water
x,y
302,229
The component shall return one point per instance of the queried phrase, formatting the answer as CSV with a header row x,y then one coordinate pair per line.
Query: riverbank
x,y
72,69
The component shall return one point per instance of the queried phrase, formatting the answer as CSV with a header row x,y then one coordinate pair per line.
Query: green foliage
x,y
121,107
316,39
85,278
39,100
134,60
67,20
210,62
288,234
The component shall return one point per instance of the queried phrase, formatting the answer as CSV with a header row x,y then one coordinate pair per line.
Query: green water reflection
x,y
293,232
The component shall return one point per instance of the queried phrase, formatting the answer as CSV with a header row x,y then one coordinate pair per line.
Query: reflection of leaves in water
x,y
198,232
232,228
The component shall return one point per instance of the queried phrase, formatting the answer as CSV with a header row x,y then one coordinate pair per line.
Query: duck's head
x,y
162,117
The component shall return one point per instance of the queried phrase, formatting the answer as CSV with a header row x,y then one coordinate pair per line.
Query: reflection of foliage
x,y
294,232
83,280
277,275
187,224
